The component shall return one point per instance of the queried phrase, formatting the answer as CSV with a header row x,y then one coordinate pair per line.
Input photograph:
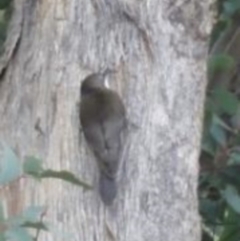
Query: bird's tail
x,y
107,188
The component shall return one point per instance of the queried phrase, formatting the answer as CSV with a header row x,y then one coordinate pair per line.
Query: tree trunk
x,y
158,50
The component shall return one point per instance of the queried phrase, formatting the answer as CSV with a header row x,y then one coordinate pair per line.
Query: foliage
x,y
11,170
219,181
5,14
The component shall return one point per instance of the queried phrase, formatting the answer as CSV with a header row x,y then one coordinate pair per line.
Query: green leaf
x,y
218,121
65,176
18,234
35,225
208,146
4,3
231,6
32,166
206,236
234,158
230,175
10,166
218,134
232,197
209,210
226,101
230,232
33,213
220,62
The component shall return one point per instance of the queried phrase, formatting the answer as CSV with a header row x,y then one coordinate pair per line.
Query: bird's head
x,y
95,81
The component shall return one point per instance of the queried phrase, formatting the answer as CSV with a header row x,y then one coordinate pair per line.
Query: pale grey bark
x,y
159,52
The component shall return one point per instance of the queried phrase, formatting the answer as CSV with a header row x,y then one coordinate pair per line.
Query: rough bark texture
x,y
159,51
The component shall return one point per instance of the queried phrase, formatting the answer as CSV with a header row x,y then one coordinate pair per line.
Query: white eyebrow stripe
x,y
106,83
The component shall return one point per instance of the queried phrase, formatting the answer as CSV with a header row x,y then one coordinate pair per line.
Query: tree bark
x,y
158,50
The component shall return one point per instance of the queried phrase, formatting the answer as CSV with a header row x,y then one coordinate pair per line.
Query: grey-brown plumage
x,y
102,116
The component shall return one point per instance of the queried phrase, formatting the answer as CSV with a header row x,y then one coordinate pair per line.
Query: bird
x,y
103,121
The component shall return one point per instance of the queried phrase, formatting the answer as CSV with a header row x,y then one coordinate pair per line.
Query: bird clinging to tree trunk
x,y
103,120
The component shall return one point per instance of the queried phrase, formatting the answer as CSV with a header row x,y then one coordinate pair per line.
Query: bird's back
x,y
103,120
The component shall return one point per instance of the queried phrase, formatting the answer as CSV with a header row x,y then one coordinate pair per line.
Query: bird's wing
x,y
103,120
